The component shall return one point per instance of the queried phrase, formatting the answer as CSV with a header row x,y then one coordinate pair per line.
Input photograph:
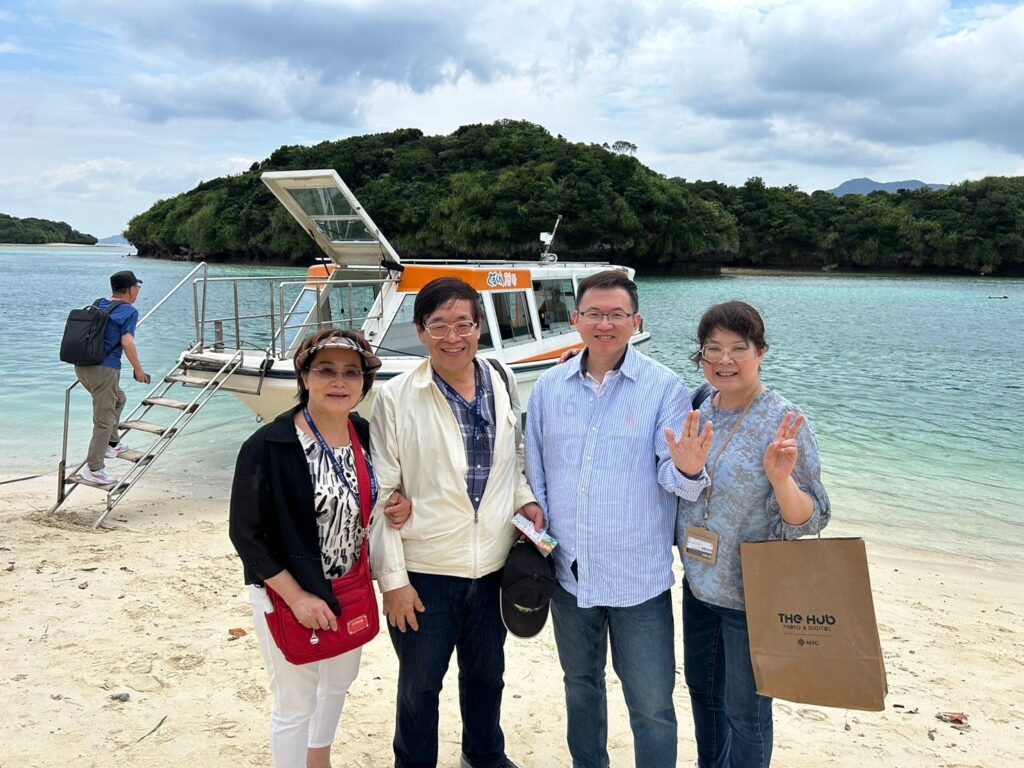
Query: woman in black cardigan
x,y
296,524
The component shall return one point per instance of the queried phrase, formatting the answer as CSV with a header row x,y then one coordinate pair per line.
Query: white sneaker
x,y
113,451
97,476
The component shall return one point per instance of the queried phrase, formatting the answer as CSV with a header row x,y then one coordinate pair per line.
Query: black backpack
x,y
82,343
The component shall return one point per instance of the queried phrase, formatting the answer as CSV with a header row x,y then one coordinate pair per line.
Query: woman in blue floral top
x,y
760,458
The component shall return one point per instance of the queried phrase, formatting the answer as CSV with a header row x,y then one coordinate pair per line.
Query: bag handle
x,y
366,488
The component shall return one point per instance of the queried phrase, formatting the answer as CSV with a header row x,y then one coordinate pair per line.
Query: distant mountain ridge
x,y
865,186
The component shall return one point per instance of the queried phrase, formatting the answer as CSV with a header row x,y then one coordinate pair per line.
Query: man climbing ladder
x,y
103,380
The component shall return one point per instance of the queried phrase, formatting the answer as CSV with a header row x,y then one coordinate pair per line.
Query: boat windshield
x,y
328,210
332,214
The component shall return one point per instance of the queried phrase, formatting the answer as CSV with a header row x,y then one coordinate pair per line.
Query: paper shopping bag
x,y
811,619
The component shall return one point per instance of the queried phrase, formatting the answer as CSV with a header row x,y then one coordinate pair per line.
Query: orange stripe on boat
x,y
553,354
416,276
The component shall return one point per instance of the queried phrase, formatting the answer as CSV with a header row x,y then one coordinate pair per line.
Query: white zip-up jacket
x,y
418,450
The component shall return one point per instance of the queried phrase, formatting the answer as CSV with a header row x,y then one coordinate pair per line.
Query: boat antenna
x,y
547,238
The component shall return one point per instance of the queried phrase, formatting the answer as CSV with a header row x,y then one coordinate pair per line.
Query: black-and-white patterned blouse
x,y
337,508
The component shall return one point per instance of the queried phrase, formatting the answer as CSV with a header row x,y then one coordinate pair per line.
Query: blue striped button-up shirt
x,y
597,460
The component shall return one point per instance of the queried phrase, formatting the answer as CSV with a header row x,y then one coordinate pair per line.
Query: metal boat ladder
x,y
165,398
172,398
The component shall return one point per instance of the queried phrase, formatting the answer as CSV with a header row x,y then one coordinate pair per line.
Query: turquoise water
x,y
912,384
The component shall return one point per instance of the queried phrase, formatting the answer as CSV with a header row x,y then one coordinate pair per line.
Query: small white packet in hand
x,y
542,540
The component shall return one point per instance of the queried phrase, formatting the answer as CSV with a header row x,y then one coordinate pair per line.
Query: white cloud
x,y
128,101
260,93
877,71
330,43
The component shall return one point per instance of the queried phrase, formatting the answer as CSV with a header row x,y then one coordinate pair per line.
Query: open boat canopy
x,y
326,208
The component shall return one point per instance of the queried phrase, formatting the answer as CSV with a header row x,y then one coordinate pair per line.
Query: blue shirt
x,y
742,505
476,422
122,320
597,461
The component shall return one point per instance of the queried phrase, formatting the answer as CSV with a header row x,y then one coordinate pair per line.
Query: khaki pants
x,y
107,403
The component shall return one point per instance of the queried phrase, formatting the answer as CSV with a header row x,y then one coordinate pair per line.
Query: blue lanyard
x,y
336,464
476,408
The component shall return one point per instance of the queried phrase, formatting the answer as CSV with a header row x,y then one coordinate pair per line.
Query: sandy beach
x,y
142,610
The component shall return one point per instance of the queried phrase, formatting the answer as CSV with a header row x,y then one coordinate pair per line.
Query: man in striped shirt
x,y
599,464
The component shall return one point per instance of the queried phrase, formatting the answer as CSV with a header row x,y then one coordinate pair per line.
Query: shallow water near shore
x,y
912,384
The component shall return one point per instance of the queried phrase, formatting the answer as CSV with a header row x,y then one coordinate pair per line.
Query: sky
x,y
107,106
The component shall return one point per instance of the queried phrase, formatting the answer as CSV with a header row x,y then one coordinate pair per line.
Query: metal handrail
x,y
320,285
279,306
201,265
200,314
172,431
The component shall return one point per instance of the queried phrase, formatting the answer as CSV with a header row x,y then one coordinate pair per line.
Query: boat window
x,y
485,331
555,304
332,214
513,314
402,338
295,322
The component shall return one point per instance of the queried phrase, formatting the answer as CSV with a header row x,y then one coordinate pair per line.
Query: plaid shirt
x,y
476,422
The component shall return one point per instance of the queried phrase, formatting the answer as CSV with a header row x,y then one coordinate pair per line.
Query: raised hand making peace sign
x,y
690,452
782,453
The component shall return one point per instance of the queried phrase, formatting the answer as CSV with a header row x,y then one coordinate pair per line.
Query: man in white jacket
x,y
447,433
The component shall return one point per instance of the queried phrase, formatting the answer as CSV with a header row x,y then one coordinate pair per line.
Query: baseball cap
x,y
527,584
119,281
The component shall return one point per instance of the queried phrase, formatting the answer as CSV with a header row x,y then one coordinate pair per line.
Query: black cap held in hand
x,y
527,584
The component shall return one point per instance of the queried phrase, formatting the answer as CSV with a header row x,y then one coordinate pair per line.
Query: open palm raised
x,y
690,452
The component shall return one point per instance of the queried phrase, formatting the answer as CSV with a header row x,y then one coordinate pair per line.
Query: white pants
x,y
308,698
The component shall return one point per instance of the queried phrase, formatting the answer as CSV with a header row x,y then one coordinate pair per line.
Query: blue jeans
x,y
463,615
643,655
732,723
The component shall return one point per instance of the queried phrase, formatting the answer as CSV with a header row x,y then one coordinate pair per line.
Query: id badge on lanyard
x,y
701,543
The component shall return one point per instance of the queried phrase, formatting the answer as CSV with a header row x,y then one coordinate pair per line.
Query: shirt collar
x,y
423,374
629,365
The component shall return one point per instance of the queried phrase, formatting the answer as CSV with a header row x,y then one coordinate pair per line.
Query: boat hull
x,y
277,392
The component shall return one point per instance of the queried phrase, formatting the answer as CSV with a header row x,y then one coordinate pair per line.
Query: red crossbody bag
x,y
359,621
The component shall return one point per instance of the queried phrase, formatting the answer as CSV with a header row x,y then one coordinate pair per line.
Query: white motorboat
x,y
363,284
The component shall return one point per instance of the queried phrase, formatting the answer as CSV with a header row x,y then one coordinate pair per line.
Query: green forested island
x,y
486,191
40,231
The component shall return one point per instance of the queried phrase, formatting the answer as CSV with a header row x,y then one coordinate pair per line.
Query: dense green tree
x,y
486,191
968,228
40,231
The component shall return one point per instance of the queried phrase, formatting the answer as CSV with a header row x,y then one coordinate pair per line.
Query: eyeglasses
x,y
615,318
326,373
440,330
712,353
